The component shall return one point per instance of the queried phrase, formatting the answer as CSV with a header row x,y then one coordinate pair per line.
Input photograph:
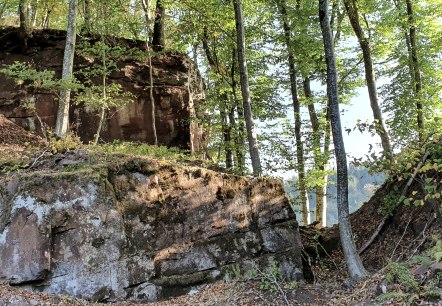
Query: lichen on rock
x,y
130,233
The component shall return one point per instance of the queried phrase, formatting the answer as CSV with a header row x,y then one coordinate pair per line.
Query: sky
x,y
357,144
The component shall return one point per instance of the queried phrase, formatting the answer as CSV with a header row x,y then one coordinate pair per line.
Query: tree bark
x,y
45,20
230,128
103,77
24,24
87,16
327,141
224,105
320,159
225,127
158,38
62,123
239,126
245,89
34,10
354,264
305,209
370,77
146,8
417,79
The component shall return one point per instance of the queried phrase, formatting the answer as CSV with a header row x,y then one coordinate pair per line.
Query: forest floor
x,y
409,232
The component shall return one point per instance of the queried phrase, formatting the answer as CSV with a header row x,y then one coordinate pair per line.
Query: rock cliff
x,y
178,91
137,228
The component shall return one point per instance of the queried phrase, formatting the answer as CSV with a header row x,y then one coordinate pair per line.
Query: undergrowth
x,y
407,287
140,149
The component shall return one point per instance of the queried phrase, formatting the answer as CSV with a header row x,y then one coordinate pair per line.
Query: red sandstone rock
x,y
178,90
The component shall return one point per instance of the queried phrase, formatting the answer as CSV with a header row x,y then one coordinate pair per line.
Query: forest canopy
x,y
285,102
275,73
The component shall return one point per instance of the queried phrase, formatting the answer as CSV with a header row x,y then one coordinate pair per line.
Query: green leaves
x,y
92,97
24,75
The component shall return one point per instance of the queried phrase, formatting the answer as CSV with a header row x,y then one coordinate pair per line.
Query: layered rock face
x,y
178,91
140,229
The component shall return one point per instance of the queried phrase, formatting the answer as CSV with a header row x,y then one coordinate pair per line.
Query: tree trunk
x,y
146,8
239,126
158,40
239,137
62,123
100,125
327,141
104,97
225,127
224,105
34,14
416,70
245,89
230,129
305,209
87,16
45,19
24,24
370,77
354,264
319,158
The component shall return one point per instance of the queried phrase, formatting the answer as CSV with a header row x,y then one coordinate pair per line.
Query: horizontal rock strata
x,y
141,230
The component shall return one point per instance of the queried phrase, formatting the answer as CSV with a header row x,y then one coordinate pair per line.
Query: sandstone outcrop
x,y
178,92
139,229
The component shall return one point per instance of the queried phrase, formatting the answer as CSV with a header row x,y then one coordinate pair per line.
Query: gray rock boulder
x,y
140,229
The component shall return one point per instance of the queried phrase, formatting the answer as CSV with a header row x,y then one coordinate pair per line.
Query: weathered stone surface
x,y
141,230
178,91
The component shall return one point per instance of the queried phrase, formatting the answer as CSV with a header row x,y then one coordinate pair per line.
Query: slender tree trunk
x,y
239,127
152,101
239,136
87,16
224,105
62,123
326,156
370,77
226,132
100,125
416,69
336,18
302,188
34,10
104,97
24,24
146,8
245,89
354,264
195,54
45,20
319,158
231,128
158,39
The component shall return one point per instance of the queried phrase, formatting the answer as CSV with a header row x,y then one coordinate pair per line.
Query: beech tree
x,y
354,264
62,123
399,40
305,209
370,78
411,32
147,14
24,24
415,67
245,89
158,38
